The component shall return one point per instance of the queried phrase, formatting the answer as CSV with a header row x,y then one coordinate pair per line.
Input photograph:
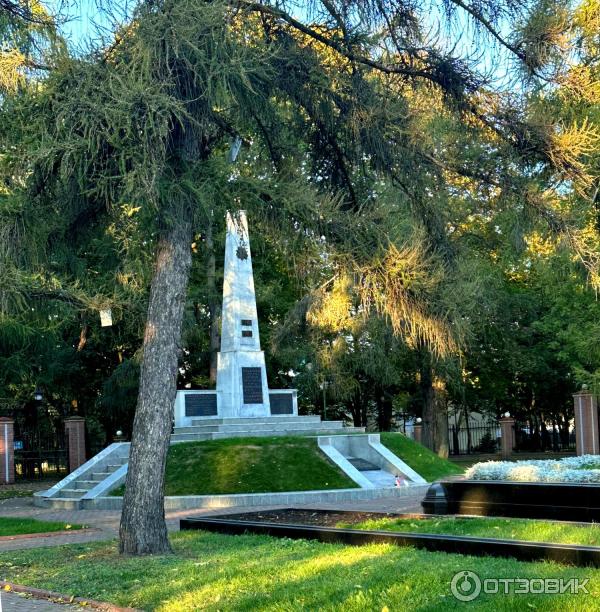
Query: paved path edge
x,y
46,534
60,597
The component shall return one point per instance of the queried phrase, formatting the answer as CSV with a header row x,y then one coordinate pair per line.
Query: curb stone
x,y
62,598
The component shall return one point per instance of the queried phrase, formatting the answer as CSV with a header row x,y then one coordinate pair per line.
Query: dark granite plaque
x,y
200,404
252,385
246,333
281,403
247,322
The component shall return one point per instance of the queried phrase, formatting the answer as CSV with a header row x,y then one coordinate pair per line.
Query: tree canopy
x,y
421,182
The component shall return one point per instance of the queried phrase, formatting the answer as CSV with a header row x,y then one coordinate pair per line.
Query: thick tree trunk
x,y
435,410
428,400
440,443
143,529
214,304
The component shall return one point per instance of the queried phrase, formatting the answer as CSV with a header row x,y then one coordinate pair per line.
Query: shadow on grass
x,y
219,572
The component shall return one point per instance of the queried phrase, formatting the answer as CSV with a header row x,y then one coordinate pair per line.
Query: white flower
x,y
571,469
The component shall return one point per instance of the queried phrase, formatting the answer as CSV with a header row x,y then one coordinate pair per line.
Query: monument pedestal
x,y
242,387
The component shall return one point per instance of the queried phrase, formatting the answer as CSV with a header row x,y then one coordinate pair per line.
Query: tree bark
x,y
441,424
214,303
143,529
427,398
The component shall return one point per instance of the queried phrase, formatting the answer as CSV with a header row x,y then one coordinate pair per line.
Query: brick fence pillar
x,y
586,423
75,429
418,432
7,450
507,440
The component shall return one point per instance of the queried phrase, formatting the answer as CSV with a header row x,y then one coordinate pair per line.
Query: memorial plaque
x,y
246,333
247,322
200,404
281,403
252,385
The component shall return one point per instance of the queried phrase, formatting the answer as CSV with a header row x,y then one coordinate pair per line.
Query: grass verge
x,y
219,572
511,529
10,526
12,493
250,465
419,458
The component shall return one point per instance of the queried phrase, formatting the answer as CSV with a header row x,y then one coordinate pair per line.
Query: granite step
x,y
314,418
380,478
85,484
362,465
99,476
72,493
277,427
250,433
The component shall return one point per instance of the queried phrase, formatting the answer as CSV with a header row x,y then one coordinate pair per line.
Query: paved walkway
x,y
105,523
15,602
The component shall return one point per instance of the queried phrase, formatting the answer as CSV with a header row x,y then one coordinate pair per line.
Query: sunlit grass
x,y
250,465
10,526
419,458
219,572
512,529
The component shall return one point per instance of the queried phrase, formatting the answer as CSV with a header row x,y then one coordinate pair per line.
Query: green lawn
x,y
10,526
251,573
513,529
419,458
250,465
11,493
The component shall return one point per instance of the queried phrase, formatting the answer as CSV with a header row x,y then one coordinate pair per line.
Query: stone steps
x,y
72,493
255,420
380,478
261,426
86,484
191,436
99,476
362,465
87,481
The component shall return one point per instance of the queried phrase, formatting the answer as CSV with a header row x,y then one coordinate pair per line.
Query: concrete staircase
x,y
364,459
216,429
108,469
95,478
372,472
362,465
88,481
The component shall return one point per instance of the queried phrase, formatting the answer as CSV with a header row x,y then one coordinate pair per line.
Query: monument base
x,y
194,407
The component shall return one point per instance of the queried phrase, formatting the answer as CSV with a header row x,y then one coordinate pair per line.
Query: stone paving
x,y
16,602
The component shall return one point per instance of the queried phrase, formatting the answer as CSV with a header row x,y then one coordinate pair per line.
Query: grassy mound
x,y
11,526
250,465
419,458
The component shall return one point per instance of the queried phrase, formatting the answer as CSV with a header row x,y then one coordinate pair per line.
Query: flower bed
x,y
584,469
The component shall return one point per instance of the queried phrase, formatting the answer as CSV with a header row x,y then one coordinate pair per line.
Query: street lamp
x,y
38,396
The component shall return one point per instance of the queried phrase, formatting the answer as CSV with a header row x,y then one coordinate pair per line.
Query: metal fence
x,y
40,448
483,438
41,454
541,439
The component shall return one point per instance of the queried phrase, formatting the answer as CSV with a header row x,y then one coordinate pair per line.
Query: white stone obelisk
x,y
242,389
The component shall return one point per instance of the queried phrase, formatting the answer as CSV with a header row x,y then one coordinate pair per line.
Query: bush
x,y
584,469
